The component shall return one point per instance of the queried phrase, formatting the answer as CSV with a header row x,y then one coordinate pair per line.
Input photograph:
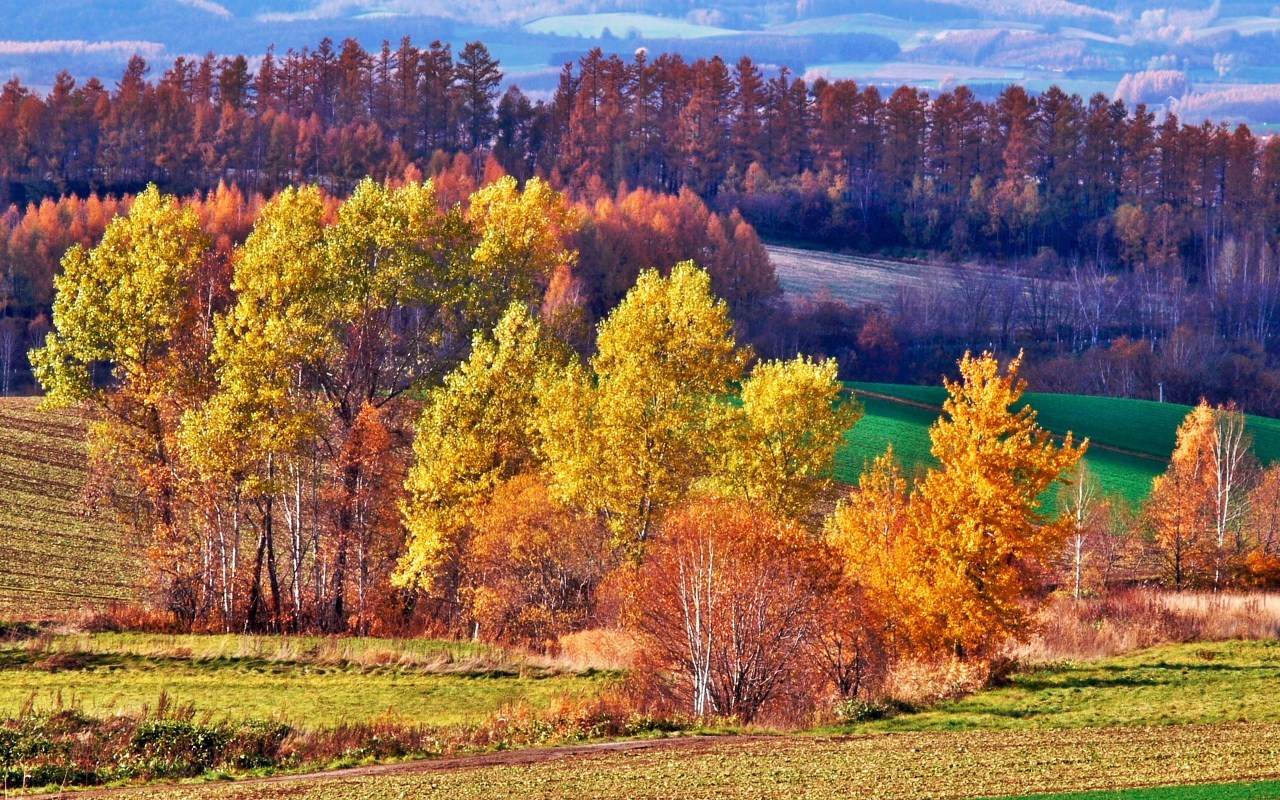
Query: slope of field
x,y
853,279
1124,466
56,555
1144,427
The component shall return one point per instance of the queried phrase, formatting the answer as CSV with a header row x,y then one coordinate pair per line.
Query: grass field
x,y
309,682
1198,683
47,534
1254,790
1132,439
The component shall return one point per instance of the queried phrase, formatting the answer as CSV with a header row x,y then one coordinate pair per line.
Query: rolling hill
x,y
1130,440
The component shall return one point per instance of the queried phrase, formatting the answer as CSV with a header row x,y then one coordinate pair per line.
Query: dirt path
x,y
506,758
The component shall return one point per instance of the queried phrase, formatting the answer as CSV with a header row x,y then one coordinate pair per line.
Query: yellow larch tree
x,y
981,540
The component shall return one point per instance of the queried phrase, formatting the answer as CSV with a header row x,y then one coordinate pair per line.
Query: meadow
x,y
1171,714
307,682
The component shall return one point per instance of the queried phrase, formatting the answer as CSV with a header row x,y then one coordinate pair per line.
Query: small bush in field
x,y
854,709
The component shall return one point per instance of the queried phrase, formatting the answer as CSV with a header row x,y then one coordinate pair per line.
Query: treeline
x,y
1131,257
829,161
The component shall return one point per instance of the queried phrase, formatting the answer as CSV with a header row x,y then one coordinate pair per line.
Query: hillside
x,y
1131,439
56,555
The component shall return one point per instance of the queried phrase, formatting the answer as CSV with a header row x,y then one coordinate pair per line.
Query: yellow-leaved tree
x,y
631,437
244,442
475,433
780,444
132,304
981,541
868,533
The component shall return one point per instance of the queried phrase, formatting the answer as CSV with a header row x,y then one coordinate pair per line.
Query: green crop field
x,y
309,682
1259,790
47,533
1132,439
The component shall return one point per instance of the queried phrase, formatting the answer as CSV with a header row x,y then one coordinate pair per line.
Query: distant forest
x,y
1136,255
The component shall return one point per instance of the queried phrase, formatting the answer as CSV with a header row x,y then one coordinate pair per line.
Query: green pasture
x,y
1132,439
1260,790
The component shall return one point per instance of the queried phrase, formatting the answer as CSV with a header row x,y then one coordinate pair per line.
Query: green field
x,y
308,682
1189,713
1259,790
1198,683
1132,439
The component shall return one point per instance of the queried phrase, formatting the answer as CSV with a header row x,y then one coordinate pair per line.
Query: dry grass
x,y
599,648
1132,620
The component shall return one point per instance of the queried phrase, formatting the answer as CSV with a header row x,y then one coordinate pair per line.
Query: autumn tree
x,y
867,533
475,433
780,445
980,538
665,358
1196,507
1084,507
130,304
728,599
531,567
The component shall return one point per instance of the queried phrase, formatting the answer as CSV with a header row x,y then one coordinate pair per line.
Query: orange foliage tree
x,y
953,563
532,567
729,600
1197,508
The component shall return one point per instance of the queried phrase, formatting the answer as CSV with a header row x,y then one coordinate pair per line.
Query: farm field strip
x,y
1249,790
883,767
309,682
853,279
58,555
861,279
